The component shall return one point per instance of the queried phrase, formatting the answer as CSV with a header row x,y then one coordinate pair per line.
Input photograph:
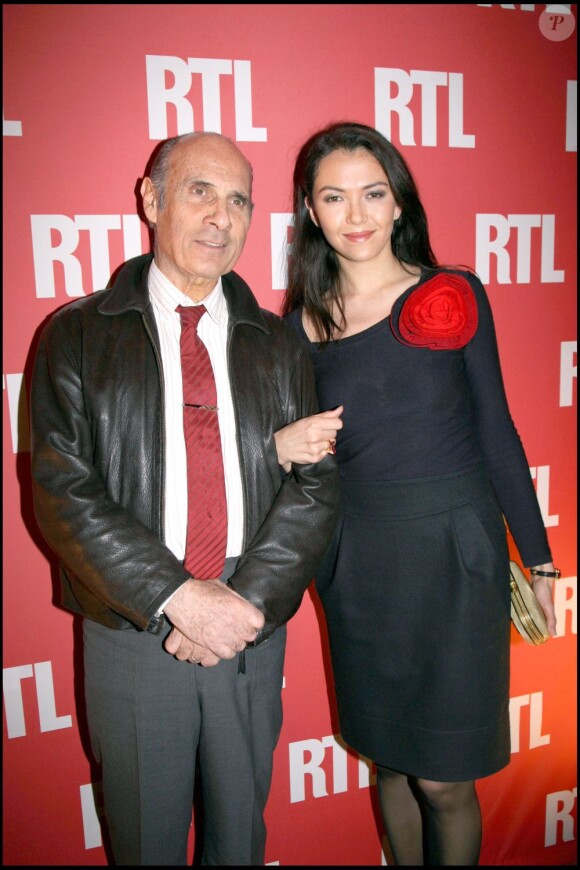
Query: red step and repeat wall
x,y
481,99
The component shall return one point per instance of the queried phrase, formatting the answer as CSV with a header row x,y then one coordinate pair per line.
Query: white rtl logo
x,y
524,7
493,234
160,95
91,808
17,396
566,602
541,474
535,737
11,128
14,704
47,253
571,116
568,372
306,760
281,225
387,105
560,806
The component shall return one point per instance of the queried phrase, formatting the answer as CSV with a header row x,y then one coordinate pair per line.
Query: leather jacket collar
x,y
130,292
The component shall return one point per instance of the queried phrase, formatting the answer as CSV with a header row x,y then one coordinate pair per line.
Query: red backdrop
x,y
481,100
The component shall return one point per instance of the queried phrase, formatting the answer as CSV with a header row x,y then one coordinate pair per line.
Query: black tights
x,y
426,822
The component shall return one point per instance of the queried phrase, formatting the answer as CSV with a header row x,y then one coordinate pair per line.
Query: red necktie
x,y
207,522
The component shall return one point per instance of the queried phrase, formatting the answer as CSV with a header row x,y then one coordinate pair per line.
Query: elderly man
x,y
180,539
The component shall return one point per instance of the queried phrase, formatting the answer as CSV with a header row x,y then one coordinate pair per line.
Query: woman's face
x,y
353,205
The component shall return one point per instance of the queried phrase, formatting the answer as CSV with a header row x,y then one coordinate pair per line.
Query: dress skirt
x,y
415,588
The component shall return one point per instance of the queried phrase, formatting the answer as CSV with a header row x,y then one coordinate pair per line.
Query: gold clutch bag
x,y
527,615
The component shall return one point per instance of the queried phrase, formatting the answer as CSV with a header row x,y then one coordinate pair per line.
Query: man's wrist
x,y
161,610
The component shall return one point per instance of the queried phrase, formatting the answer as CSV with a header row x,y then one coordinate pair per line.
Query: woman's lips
x,y
358,237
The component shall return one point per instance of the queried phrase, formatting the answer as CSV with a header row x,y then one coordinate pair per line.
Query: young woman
x,y
415,585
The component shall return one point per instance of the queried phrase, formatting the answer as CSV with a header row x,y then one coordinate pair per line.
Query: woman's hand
x,y
309,439
543,590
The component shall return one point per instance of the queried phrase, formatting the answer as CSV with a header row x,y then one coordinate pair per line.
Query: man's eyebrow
x,y
201,183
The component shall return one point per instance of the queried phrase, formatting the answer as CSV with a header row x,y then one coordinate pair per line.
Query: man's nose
x,y
218,213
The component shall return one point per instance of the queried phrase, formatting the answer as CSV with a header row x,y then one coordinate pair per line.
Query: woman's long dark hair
x,y
313,270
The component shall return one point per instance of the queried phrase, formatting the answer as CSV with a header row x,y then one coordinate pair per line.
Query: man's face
x,y
201,230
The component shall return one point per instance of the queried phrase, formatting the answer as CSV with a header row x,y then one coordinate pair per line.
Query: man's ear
x,y
149,198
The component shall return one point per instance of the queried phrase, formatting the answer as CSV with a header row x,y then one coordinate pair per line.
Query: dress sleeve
x,y
499,440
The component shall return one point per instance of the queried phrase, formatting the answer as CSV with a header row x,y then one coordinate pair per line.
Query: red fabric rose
x,y
441,314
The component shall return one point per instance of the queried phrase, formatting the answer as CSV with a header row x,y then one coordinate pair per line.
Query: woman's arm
x,y
309,439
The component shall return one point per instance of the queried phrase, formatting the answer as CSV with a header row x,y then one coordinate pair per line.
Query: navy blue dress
x,y
415,585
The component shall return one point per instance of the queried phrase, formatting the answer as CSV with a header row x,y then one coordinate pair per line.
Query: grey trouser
x,y
152,718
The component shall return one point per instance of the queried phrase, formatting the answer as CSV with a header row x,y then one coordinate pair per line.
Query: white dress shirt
x,y
212,330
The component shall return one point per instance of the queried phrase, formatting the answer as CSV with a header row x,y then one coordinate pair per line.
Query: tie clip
x,y
205,407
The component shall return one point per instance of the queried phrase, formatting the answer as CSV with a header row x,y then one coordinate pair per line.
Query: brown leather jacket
x,y
98,450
